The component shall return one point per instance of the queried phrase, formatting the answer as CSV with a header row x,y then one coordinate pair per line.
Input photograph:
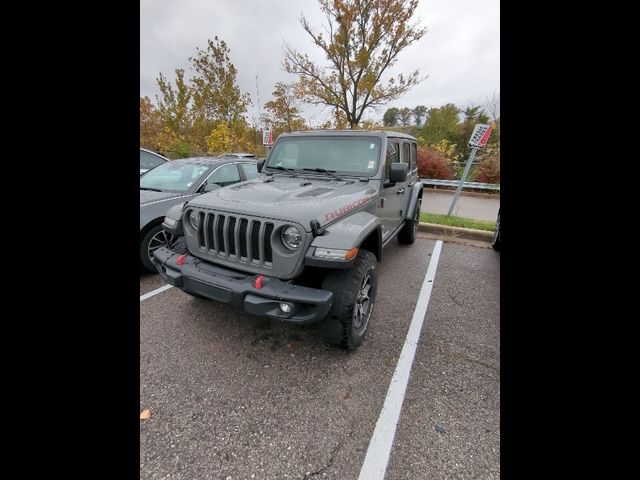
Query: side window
x,y
405,154
250,170
393,156
414,157
223,176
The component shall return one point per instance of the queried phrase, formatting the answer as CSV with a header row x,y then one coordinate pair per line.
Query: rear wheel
x,y
410,230
354,295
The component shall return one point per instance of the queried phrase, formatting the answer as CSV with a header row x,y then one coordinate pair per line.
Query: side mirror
x,y
209,187
260,164
398,172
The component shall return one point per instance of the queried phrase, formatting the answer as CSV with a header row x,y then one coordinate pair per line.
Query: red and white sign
x,y
480,135
267,137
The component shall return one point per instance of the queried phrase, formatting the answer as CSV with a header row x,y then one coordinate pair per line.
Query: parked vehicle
x,y
301,242
496,235
176,181
149,160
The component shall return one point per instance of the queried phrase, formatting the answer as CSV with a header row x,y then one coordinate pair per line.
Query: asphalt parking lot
x,y
238,397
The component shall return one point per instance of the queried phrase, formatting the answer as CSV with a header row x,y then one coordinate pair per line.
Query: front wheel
x,y
354,295
154,239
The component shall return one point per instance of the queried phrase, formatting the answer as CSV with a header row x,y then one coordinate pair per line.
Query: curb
x,y
457,232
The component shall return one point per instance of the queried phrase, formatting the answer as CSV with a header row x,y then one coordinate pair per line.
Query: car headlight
x,y
194,221
291,237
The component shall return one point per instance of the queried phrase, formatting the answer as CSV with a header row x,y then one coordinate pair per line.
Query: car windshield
x,y
149,160
343,155
173,176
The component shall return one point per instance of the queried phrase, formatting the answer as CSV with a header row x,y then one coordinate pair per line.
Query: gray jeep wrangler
x,y
300,242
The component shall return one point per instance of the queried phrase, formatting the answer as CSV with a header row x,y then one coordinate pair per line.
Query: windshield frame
x,y
342,173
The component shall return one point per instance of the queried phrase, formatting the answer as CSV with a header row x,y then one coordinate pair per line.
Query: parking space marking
x,y
155,292
377,457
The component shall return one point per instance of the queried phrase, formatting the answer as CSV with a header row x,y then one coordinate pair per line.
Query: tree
x,y
215,93
492,106
405,116
442,124
283,112
418,112
189,112
364,39
391,117
150,126
175,115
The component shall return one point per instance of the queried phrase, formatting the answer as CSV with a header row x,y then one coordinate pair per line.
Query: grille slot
x,y
268,252
220,244
242,237
231,235
255,240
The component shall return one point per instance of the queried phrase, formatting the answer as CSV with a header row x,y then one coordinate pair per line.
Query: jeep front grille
x,y
236,238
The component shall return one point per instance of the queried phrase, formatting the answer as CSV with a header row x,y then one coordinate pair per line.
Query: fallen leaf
x,y
146,413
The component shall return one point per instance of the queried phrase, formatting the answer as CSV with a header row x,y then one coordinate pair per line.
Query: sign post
x,y
267,140
479,138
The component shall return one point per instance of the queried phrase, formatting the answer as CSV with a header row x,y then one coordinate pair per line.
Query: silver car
x,y
176,182
149,160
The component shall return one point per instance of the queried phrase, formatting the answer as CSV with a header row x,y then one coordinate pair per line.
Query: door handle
x,y
400,191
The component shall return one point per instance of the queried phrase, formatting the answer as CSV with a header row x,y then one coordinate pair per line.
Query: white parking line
x,y
155,292
375,462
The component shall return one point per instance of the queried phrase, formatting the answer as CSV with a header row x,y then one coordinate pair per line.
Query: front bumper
x,y
198,277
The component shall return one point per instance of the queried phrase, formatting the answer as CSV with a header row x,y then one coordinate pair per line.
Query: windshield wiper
x,y
151,189
291,172
324,170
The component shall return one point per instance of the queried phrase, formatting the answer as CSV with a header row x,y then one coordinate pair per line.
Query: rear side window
x,y
405,154
414,157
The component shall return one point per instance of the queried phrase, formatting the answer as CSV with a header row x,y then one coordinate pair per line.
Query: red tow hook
x,y
258,282
180,260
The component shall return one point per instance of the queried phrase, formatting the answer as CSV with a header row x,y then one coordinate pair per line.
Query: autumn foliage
x,y
432,164
489,170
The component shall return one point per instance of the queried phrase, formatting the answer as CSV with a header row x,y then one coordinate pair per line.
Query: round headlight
x,y
291,237
194,221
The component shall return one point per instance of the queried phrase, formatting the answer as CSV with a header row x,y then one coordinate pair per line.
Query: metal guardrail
x,y
454,183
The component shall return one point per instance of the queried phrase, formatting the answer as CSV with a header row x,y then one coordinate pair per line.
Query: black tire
x,y
408,233
346,324
159,237
495,243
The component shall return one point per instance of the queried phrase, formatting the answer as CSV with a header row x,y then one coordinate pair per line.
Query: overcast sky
x,y
460,53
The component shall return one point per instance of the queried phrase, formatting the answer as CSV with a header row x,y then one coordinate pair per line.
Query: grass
x,y
457,221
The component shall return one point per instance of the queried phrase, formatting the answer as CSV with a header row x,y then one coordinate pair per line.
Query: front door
x,y
390,202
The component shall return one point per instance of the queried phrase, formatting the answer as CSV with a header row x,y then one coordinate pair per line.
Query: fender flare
x,y
416,192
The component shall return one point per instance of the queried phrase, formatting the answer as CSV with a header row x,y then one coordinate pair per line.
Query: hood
x,y
300,199
149,196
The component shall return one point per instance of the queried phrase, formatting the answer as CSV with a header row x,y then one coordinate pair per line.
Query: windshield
x,y
149,160
173,176
344,155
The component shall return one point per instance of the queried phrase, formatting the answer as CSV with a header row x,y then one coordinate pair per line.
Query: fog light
x,y
286,307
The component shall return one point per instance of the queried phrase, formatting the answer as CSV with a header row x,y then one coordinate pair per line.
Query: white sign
x,y
267,137
480,135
